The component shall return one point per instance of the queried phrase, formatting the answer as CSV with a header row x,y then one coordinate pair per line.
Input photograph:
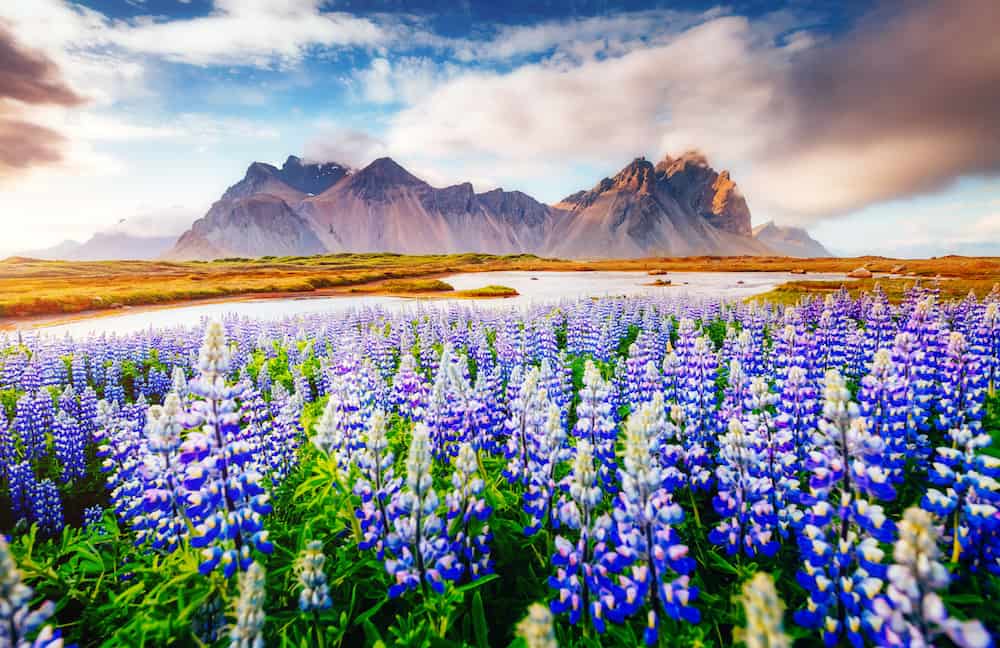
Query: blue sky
x,y
862,122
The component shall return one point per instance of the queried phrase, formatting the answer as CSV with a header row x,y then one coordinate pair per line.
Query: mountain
x,y
148,235
385,208
678,207
255,217
789,241
667,210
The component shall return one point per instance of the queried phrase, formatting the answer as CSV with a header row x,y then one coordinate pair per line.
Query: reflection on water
x,y
534,287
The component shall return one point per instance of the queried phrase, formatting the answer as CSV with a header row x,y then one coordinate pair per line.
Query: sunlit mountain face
x,y
870,125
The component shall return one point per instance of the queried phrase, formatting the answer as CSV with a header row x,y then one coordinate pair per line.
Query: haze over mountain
x,y
789,241
149,235
679,207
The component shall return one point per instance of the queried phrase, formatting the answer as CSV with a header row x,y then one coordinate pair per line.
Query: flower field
x,y
606,472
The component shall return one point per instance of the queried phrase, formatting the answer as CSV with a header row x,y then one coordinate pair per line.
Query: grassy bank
x,y
32,288
895,289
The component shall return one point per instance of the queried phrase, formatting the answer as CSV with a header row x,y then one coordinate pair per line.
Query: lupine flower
x,y
744,500
798,409
18,622
527,417
376,485
595,423
224,497
535,629
163,520
581,567
961,402
547,450
315,593
764,611
911,613
841,560
93,517
882,399
409,391
248,629
420,554
468,529
654,563
968,499
47,508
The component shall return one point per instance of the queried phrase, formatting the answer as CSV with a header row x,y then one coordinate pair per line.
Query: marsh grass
x,y
32,287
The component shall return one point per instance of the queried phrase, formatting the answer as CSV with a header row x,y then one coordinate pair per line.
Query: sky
x,y
874,125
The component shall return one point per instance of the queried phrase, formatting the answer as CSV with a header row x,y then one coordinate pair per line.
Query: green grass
x,y
489,291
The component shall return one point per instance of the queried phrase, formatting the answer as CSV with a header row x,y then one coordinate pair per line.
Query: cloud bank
x,y
28,79
906,102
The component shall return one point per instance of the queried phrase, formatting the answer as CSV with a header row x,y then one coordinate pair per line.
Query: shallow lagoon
x,y
534,287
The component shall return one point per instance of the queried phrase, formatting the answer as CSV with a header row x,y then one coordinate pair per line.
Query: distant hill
x,y
789,241
681,206
148,235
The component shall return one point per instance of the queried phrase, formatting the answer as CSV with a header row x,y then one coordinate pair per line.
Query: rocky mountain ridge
x,y
680,206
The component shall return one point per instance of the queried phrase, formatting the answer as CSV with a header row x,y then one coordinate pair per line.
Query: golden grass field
x,y
33,288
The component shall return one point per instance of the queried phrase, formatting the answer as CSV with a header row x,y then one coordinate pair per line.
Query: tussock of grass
x,y
488,291
416,286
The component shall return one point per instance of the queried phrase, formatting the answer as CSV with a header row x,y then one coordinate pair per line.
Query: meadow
x,y
33,288
602,472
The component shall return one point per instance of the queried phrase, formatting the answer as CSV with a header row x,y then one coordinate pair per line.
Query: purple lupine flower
x,y
654,563
546,450
70,445
581,577
18,621
376,485
224,497
595,422
418,553
838,542
911,612
468,529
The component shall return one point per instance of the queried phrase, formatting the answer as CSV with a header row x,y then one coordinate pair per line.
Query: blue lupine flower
x,y
527,418
225,498
248,629
419,551
70,445
968,499
468,530
595,422
376,485
93,518
315,593
961,401
21,626
47,508
581,577
911,612
163,520
547,449
654,562
838,543
744,500
882,401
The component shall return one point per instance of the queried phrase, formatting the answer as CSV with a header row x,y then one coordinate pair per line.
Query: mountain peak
x,y
637,176
390,171
789,240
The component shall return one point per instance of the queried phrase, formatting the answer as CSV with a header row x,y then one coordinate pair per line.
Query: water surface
x,y
534,287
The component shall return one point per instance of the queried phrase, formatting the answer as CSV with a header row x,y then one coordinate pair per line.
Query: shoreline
x,y
35,294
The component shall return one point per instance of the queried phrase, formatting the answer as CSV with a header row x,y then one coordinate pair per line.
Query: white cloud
x,y
351,147
403,80
605,111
